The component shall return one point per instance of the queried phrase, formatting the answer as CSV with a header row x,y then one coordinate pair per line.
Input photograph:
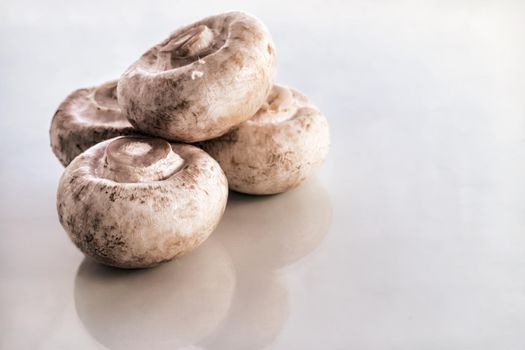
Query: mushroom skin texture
x,y
86,117
134,202
202,80
275,150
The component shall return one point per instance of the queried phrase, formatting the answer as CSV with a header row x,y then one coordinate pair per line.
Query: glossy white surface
x,y
412,236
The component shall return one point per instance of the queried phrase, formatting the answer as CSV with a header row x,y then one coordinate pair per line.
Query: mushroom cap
x,y
202,80
86,117
275,150
135,202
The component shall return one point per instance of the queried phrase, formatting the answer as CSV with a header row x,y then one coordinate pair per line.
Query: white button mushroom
x,y
135,202
277,148
201,81
85,118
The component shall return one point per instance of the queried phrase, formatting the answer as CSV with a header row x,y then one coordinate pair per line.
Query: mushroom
x,y
135,202
202,80
85,118
275,150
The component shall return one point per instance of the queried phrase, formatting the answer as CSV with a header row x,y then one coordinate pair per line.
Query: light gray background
x,y
410,237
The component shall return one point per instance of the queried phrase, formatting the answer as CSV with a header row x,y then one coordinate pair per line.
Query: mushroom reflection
x,y
274,231
263,234
259,311
173,305
227,294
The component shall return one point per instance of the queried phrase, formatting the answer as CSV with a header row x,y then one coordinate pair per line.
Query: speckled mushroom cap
x,y
277,148
85,118
202,80
135,202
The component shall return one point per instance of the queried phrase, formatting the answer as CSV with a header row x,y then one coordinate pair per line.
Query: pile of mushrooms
x,y
149,158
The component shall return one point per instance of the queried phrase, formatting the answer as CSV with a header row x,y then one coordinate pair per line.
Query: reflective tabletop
x,y
411,236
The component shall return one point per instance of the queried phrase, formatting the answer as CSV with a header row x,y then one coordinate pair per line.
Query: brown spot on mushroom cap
x,y
86,117
139,159
144,220
202,80
275,150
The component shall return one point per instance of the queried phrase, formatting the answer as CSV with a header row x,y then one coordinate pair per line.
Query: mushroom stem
x,y
105,97
278,108
137,159
189,44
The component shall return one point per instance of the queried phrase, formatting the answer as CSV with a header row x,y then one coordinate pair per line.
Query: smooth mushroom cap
x,y
85,118
275,150
135,202
202,80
